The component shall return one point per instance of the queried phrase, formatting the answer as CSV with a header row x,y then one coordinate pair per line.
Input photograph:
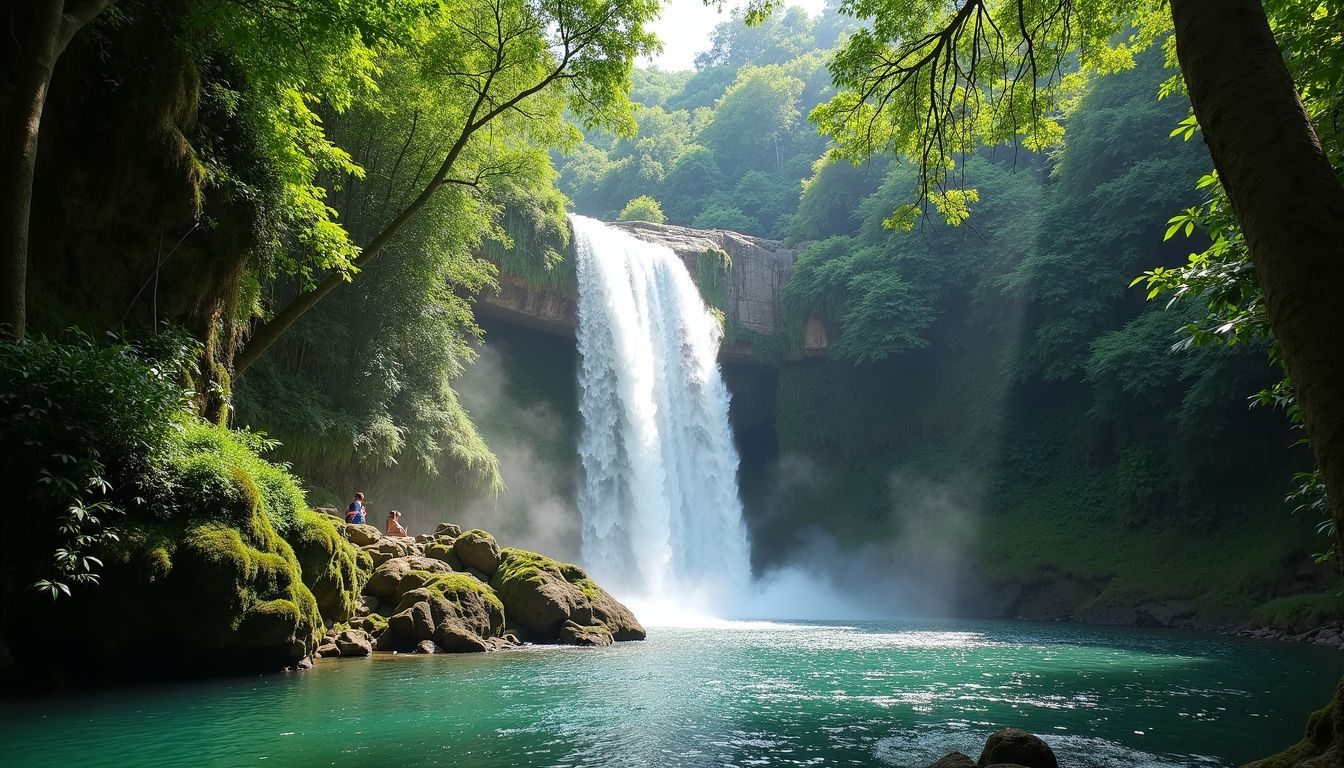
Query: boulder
x,y
953,760
362,535
452,609
427,646
387,548
447,529
1017,747
477,549
354,642
542,596
328,649
407,628
578,634
369,603
439,550
395,577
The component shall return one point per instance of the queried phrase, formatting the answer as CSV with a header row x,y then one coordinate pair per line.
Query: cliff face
x,y
756,273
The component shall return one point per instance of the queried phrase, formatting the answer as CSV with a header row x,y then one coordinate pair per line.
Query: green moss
x,y
373,624
521,565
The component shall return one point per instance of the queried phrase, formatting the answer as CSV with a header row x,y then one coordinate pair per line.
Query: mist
x,y
537,509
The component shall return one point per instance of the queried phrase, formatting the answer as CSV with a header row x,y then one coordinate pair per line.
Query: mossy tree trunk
x,y
38,32
1287,199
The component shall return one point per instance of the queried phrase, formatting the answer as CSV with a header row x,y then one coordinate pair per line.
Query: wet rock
x,y
388,548
427,646
328,649
1014,746
579,634
447,529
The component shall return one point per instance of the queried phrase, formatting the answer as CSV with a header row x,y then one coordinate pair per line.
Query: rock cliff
x,y
748,293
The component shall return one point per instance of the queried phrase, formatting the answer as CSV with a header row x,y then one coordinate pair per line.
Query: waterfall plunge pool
x,y
737,694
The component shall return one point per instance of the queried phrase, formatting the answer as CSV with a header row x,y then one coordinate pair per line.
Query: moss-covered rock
x,y
453,610
542,597
477,549
205,582
332,567
401,574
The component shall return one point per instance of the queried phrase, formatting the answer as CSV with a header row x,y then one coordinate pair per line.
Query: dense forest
x,y
1081,359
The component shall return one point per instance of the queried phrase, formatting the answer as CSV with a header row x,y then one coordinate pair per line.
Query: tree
x,y
753,119
492,59
643,208
39,33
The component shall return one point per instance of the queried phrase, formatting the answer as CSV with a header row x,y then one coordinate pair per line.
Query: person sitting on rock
x,y
394,524
354,514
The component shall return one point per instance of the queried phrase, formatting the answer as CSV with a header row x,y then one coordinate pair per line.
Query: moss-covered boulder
x,y
401,574
543,597
453,610
441,548
477,549
333,569
206,585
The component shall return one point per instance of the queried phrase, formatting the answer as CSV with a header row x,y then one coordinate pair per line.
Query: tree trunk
x,y
37,32
1287,199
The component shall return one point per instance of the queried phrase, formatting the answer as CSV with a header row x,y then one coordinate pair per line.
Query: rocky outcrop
x,y
458,592
454,611
750,287
553,602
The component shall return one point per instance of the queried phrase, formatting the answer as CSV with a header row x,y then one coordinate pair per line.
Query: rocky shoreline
x,y
452,591
1330,635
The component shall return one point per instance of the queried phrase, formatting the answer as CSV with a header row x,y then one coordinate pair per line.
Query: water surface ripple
x,y
760,694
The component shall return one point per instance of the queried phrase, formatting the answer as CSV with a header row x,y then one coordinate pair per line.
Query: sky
x,y
685,27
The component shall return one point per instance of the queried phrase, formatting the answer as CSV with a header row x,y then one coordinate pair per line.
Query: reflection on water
x,y
744,694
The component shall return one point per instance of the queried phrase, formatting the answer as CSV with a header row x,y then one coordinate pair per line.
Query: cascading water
x,y
662,521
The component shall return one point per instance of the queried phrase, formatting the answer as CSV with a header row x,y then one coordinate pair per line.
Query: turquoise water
x,y
759,694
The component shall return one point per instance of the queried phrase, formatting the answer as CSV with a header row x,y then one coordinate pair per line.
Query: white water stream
x,y
662,521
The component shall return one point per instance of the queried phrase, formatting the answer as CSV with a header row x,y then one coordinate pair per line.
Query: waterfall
x,y
661,515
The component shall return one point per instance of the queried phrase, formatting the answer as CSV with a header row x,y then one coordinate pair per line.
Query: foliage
x,y
643,208
83,431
